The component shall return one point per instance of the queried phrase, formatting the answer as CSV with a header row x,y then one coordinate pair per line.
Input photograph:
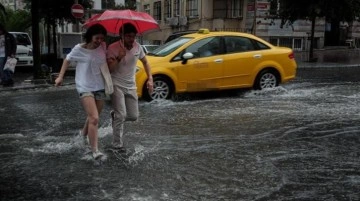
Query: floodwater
x,y
299,141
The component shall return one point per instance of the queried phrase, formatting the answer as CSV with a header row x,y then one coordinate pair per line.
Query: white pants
x,y
126,108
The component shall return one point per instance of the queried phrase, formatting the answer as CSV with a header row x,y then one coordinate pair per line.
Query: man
x,y
7,49
122,57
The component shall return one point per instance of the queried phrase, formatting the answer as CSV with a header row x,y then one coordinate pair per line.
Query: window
x,y
294,43
238,44
157,10
228,9
274,41
297,44
205,47
285,42
192,8
236,8
220,9
274,7
147,8
176,8
167,12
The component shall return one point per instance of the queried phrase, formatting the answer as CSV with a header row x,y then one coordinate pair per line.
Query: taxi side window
x,y
238,44
205,47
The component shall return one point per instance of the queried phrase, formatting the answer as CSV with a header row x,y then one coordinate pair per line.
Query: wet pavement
x,y
299,141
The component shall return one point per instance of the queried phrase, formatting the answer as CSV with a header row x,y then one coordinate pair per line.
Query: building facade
x,y
250,16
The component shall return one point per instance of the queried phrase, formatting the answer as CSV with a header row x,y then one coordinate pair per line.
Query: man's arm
x,y
147,68
113,57
112,62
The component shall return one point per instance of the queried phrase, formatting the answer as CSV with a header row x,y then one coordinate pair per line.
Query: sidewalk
x,y
330,57
24,80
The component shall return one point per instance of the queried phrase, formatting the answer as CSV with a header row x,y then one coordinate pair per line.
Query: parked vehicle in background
x,y
65,42
149,48
24,53
207,61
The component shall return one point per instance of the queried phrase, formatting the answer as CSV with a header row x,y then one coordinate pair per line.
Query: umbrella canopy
x,y
112,20
92,18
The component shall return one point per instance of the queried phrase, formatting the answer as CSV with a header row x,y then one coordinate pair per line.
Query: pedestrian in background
x,y
7,49
90,56
122,57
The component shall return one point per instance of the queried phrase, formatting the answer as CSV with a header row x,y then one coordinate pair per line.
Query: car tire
x,y
163,89
266,79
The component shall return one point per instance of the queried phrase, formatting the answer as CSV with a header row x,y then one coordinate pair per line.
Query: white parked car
x,y
24,53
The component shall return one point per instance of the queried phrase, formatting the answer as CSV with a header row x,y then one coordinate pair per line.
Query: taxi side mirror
x,y
186,57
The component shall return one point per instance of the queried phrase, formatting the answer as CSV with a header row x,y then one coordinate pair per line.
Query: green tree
x,y
2,12
19,20
333,11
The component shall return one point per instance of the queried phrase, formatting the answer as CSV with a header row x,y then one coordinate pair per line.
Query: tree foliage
x,y
55,11
2,11
290,10
333,11
18,20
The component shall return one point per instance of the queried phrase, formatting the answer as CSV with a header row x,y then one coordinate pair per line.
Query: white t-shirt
x,y
124,73
2,45
88,75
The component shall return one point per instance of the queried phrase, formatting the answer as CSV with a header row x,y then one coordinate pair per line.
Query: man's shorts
x,y
98,95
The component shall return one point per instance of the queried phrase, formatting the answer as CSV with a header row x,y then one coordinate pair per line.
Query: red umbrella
x,y
92,18
112,20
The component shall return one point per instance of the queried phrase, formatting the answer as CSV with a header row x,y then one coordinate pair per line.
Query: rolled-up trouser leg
x,y
132,106
118,104
125,105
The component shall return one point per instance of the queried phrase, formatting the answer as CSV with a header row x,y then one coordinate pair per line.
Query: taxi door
x,y
205,70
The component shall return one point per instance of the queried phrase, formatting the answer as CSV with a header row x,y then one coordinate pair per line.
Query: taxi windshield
x,y
170,47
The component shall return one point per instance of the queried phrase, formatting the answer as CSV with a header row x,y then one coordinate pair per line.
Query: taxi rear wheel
x,y
163,89
267,79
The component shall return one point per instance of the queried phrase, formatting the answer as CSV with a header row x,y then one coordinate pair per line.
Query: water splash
x,y
140,152
11,136
52,147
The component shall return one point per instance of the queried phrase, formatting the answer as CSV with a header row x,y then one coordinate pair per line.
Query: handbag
x,y
109,88
10,64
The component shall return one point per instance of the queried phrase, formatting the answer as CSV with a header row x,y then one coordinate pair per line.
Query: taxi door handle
x,y
257,56
218,60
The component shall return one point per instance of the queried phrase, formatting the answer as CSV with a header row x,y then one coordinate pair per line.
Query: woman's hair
x,y
93,30
127,28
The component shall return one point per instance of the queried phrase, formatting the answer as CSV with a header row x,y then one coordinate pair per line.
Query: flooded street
x,y
299,141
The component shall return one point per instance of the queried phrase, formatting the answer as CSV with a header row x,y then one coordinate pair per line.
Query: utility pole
x,y
35,37
77,24
254,25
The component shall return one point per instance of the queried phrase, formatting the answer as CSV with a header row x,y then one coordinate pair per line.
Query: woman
x,y
7,49
89,81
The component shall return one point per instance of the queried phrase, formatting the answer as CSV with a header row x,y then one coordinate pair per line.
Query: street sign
x,y
77,10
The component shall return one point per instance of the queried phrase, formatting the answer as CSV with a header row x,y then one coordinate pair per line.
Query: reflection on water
x,y
298,142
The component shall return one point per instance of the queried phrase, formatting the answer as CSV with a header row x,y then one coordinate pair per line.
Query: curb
x,y
329,65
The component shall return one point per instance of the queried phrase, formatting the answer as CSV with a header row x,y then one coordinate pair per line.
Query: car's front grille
x,y
22,62
22,54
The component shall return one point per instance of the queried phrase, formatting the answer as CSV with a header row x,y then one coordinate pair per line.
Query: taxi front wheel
x,y
162,89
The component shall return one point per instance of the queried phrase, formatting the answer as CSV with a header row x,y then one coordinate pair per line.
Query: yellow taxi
x,y
205,61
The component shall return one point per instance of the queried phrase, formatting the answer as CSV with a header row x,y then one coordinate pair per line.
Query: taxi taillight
x,y
291,55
